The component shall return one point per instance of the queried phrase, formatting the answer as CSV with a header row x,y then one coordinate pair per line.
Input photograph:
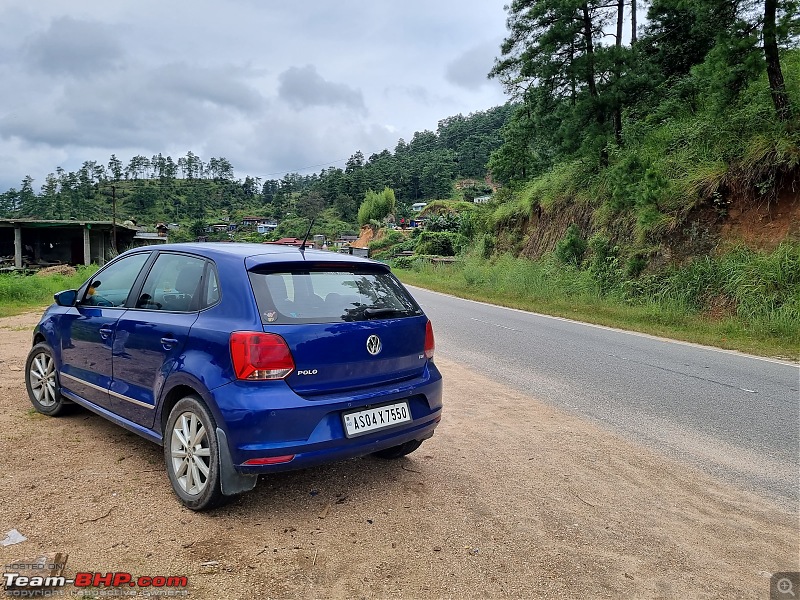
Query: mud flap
x,y
231,481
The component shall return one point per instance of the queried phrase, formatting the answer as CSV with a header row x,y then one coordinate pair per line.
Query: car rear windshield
x,y
323,296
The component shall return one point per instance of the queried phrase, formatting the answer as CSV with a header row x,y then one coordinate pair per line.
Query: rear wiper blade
x,y
381,312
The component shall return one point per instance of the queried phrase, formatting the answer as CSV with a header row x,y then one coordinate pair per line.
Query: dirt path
x,y
511,498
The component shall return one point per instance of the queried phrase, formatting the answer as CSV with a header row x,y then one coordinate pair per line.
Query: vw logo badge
x,y
373,344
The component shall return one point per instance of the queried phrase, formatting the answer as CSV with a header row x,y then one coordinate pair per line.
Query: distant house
x,y
162,230
482,199
266,226
252,221
418,206
288,241
363,252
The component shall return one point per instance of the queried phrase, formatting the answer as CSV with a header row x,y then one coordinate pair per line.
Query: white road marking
x,y
776,361
496,325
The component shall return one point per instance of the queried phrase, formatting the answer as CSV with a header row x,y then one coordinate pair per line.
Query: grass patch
x,y
20,293
741,301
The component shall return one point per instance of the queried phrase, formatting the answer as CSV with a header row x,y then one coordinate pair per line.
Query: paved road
x,y
733,415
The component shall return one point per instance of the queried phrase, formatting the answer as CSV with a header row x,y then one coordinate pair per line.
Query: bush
x,y
403,262
571,248
406,246
443,222
389,238
485,245
376,206
441,243
604,265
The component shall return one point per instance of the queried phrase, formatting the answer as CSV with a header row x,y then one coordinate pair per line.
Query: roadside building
x,y
35,243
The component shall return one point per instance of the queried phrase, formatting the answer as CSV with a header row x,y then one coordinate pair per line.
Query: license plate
x,y
373,419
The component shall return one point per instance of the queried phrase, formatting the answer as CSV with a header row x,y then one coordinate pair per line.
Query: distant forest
x,y
190,189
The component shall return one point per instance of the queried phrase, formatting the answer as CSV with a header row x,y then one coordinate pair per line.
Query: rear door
x,y
348,326
151,336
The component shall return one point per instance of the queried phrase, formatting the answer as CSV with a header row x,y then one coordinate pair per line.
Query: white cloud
x,y
270,86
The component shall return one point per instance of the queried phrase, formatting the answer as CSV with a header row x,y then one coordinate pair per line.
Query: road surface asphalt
x,y
733,415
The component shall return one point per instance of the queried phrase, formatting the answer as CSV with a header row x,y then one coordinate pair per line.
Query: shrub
x,y
604,265
390,238
571,248
485,245
443,222
441,243
376,206
403,262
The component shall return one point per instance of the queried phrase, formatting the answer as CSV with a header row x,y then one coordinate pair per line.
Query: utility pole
x,y
114,218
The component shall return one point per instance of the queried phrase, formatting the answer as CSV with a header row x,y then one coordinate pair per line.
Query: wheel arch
x,y
171,398
231,481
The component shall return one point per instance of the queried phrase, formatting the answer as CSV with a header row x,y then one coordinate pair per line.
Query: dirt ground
x,y
510,498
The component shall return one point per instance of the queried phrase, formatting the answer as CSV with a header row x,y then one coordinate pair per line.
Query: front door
x,y
88,331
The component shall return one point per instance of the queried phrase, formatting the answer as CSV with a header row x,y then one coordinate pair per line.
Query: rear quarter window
x,y
330,296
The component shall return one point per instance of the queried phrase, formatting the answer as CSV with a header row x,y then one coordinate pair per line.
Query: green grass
x,y
19,293
742,301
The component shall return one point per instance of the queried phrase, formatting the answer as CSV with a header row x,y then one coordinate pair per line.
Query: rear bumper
x,y
267,419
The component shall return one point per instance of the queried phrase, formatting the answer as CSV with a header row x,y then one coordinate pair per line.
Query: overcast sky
x,y
271,85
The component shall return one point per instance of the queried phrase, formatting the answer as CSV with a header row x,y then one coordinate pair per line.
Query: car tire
x,y
191,455
398,451
41,381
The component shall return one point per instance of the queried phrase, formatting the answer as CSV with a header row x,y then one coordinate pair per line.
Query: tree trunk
x,y
777,87
573,94
587,35
617,116
633,22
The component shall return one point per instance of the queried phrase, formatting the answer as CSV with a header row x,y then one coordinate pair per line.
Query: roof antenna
x,y
305,239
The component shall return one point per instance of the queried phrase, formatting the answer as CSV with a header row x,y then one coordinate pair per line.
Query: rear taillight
x,y
259,356
429,343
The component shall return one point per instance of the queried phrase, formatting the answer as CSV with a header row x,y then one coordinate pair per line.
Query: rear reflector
x,y
429,342
259,356
269,460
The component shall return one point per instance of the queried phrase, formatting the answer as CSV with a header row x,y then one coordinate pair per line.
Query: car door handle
x,y
168,342
105,332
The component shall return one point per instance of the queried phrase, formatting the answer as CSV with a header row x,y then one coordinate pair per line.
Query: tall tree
x,y
27,198
115,167
777,86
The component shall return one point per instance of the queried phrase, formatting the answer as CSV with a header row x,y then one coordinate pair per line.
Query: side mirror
x,y
66,298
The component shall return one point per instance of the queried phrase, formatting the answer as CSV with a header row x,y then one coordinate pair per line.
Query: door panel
x,y
150,338
86,352
146,348
88,332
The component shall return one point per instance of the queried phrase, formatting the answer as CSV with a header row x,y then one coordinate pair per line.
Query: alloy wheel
x,y
190,453
42,374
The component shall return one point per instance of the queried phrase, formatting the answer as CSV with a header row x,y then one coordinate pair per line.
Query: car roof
x,y
262,253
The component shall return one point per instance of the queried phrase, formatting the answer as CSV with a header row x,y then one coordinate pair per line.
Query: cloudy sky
x,y
273,86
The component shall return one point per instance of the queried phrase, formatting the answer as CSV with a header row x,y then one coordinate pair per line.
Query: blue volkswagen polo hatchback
x,y
242,359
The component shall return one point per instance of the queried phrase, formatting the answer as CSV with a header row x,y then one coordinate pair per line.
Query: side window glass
x,y
111,286
212,288
173,284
